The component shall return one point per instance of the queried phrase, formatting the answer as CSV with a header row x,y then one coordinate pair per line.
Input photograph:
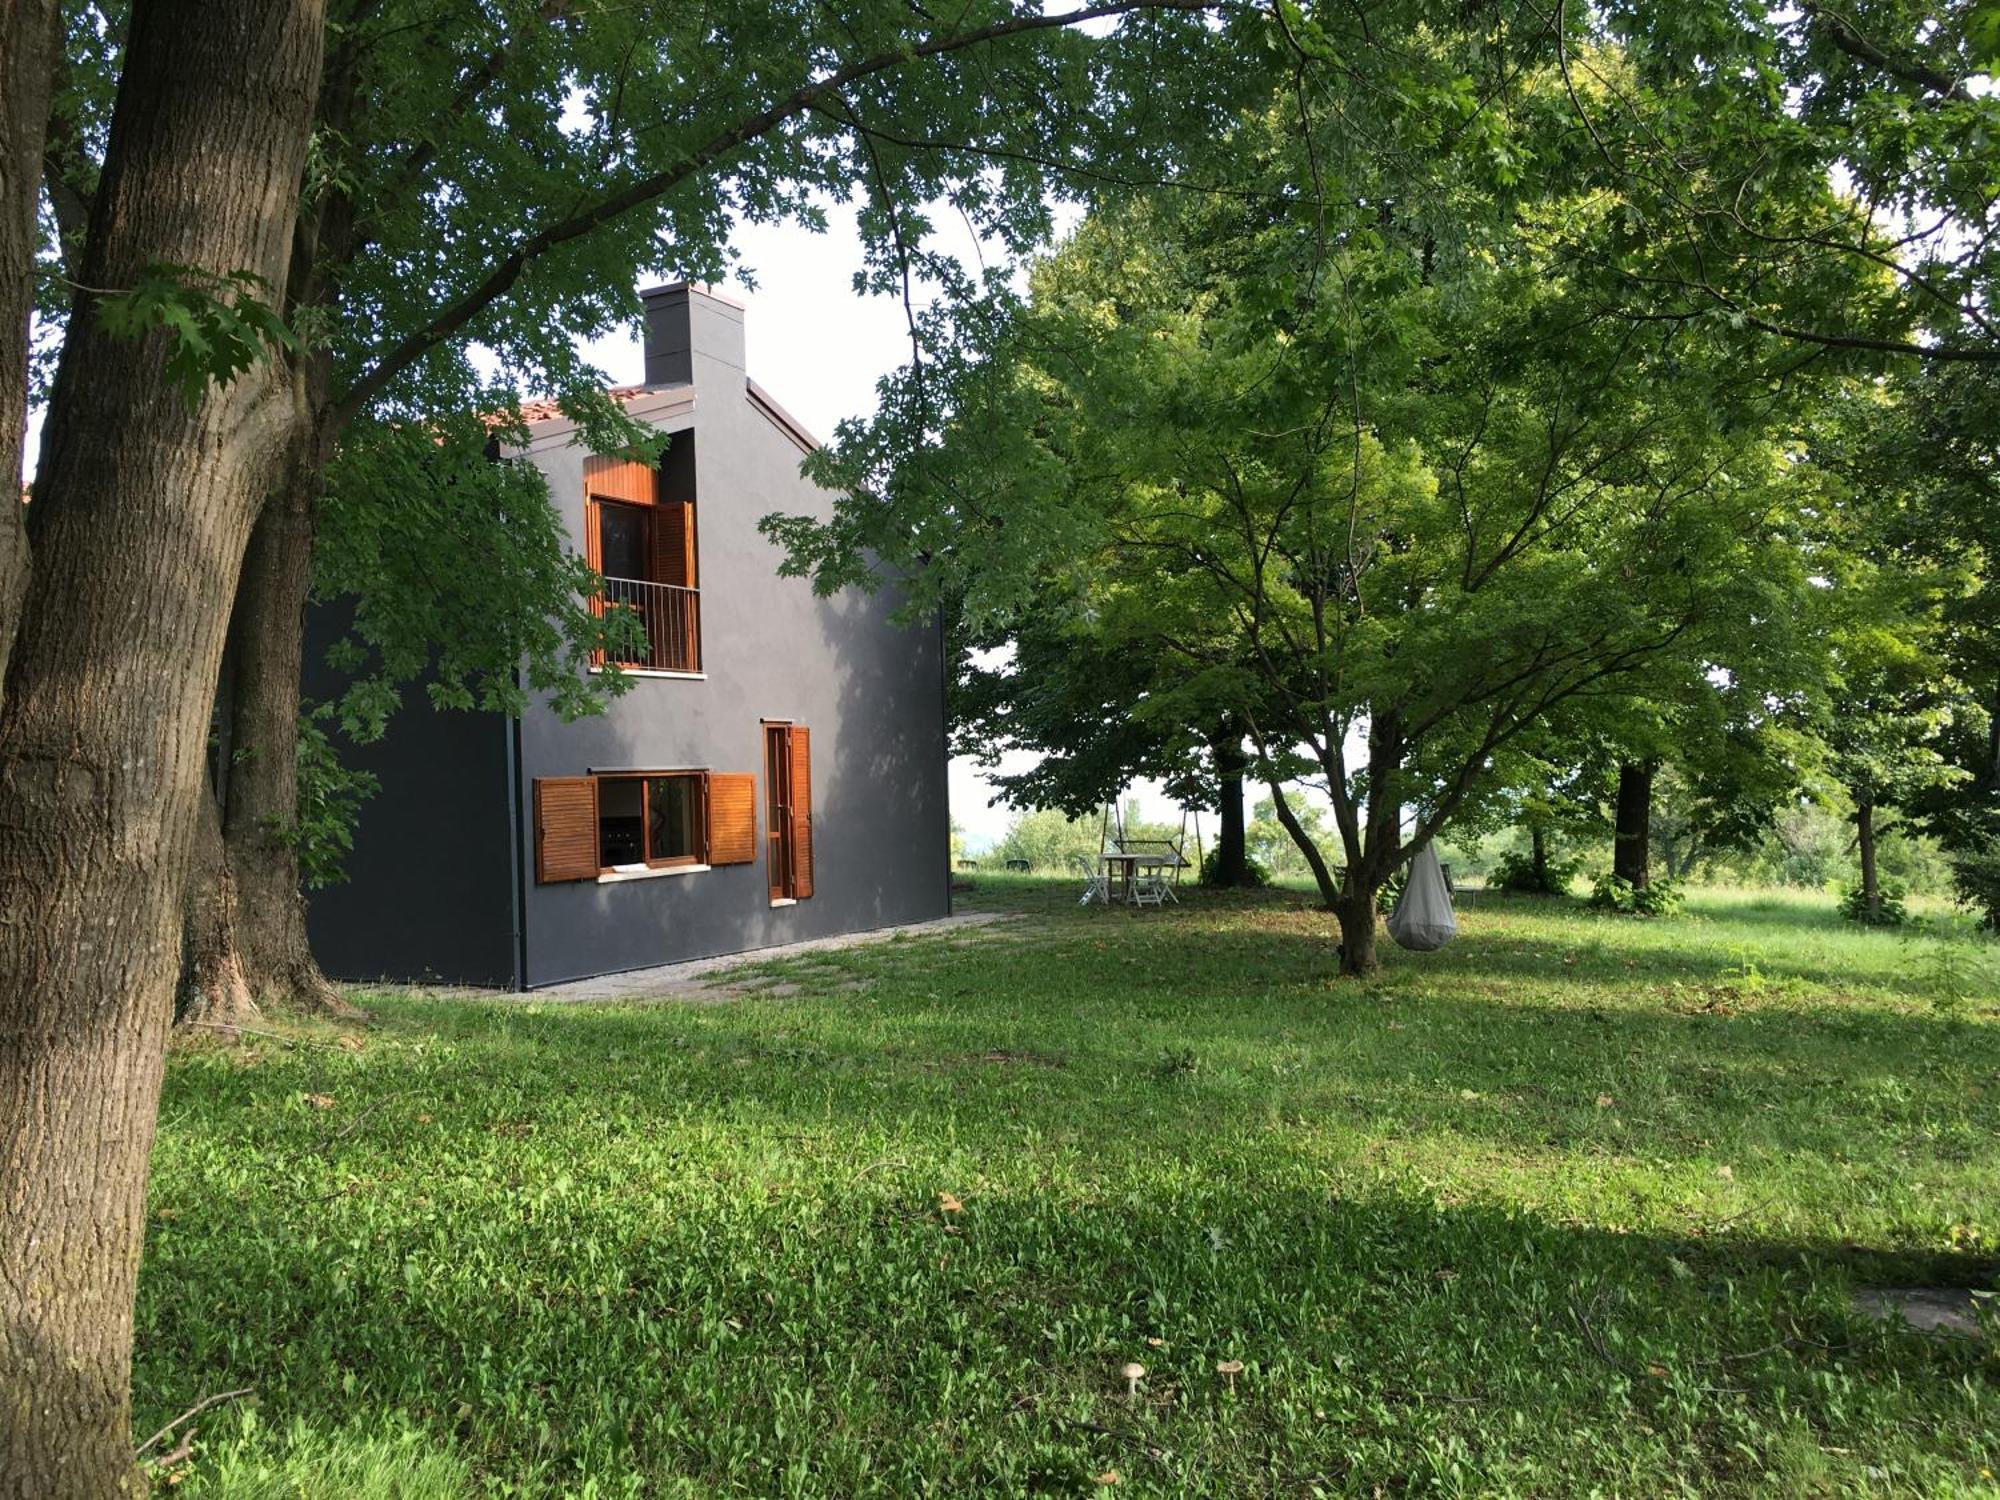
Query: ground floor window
x,y
646,822
619,824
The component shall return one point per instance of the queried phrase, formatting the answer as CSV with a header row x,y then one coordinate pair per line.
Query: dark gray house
x,y
776,773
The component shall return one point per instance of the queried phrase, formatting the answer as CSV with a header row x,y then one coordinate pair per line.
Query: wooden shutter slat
x,y
802,837
673,544
732,818
565,828
618,479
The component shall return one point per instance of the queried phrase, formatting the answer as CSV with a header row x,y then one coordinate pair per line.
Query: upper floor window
x,y
639,533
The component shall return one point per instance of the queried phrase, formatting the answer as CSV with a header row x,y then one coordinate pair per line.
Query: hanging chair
x,y
1422,920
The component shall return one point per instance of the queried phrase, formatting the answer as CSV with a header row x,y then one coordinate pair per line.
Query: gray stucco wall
x,y
870,693
429,894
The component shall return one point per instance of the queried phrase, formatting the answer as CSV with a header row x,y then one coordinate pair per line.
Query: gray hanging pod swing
x,y
1422,920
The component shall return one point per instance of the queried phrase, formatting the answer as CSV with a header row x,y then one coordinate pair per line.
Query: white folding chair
x,y
1149,888
1095,885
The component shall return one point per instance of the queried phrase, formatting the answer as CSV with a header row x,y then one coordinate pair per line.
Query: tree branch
x,y
400,356
1842,33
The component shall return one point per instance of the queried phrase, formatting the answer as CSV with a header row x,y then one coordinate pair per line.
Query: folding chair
x,y
1096,886
1150,889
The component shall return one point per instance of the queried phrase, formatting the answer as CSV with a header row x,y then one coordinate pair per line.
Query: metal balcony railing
x,y
671,617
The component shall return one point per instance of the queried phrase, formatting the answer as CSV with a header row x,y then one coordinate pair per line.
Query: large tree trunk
x,y
1864,834
215,992
144,504
30,34
1630,850
1538,855
261,804
1232,866
1356,910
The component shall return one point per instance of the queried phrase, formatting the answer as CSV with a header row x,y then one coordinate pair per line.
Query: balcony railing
x,y
670,616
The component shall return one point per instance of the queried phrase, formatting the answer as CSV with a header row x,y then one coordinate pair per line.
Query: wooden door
x,y
778,810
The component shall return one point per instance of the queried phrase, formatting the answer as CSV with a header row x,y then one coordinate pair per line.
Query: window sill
x,y
785,901
618,877
655,672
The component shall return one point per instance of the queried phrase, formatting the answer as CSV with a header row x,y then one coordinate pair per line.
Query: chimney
x,y
693,337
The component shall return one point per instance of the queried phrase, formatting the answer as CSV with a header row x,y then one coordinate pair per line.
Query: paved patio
x,y
698,977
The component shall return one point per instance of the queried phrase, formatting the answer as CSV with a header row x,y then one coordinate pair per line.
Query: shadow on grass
x,y
849,1337
678,1249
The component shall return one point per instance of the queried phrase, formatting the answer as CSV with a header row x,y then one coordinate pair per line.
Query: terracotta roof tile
x,y
542,408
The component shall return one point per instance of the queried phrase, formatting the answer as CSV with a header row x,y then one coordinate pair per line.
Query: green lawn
x,y
1574,1207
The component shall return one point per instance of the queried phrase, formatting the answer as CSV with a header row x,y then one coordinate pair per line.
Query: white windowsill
x,y
651,672
785,901
614,877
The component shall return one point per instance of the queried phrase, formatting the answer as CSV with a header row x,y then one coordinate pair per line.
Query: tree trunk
x,y
30,42
144,505
1864,833
1356,910
1993,737
1329,889
214,990
1232,864
1630,857
1538,854
1684,867
261,802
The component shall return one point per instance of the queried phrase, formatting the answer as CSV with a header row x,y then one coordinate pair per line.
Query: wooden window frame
x,y
593,526
790,859
665,512
646,780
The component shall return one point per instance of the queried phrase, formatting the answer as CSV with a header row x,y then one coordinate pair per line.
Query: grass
x,y
1574,1207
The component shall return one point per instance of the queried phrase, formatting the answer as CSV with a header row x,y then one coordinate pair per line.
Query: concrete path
x,y
698,976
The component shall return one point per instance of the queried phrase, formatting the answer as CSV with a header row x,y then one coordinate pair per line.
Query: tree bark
x,y
30,37
1864,834
1630,851
1232,863
215,991
1538,854
1356,910
144,504
261,801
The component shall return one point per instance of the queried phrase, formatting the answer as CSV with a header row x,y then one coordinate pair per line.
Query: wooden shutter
x,y
802,805
673,544
732,818
618,479
565,828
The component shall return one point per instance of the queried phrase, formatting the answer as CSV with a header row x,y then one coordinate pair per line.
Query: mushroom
x,y
1229,1369
1133,1372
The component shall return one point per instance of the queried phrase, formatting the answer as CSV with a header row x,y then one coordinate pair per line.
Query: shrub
x,y
1889,908
1254,872
1515,871
1662,898
1391,891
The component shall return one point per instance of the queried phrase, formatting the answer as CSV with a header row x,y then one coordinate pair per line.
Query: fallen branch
x,y
183,1450
886,1161
277,1036
193,1411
